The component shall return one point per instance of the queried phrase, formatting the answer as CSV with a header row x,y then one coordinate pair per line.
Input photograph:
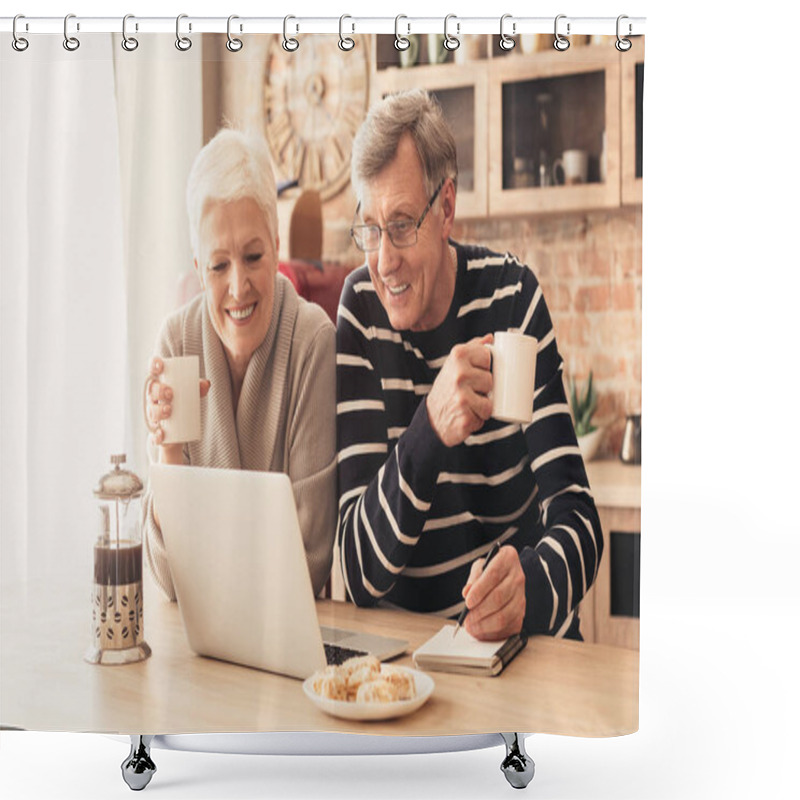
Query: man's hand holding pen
x,y
495,596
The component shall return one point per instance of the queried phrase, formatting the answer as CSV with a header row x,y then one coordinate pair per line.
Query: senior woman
x,y
267,357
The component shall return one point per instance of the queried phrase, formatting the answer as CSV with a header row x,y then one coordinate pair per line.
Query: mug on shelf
x,y
572,168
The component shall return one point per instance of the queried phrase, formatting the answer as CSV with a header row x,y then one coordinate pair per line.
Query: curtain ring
x,y
128,42
506,42
17,42
70,42
233,44
451,42
560,43
345,42
623,45
289,45
183,43
400,42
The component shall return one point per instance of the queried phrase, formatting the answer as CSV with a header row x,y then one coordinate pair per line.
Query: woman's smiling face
x,y
237,268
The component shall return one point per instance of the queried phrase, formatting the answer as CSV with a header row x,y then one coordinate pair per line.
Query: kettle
x,y
631,450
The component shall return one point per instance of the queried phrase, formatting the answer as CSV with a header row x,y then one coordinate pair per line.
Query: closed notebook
x,y
465,654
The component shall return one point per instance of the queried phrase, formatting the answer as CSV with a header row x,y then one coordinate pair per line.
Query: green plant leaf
x,y
583,405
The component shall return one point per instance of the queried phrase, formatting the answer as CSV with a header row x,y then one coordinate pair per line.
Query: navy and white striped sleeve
x,y
385,491
562,566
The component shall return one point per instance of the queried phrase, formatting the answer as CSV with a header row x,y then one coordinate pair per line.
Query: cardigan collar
x,y
258,411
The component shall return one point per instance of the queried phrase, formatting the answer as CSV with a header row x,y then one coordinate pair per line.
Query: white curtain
x,y
96,147
63,329
160,113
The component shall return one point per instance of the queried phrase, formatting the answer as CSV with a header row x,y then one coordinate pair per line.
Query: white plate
x,y
374,711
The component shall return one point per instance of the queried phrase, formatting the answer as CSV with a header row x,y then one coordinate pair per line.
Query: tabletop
x,y
552,686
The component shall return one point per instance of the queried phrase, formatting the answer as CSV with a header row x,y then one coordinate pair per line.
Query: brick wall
x,y
590,269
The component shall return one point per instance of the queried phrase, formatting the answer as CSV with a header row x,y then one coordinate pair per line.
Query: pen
x,y
492,553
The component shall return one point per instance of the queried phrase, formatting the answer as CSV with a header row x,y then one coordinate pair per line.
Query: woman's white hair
x,y
414,112
235,164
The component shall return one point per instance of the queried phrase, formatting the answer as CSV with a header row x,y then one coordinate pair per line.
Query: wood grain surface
x,y
553,686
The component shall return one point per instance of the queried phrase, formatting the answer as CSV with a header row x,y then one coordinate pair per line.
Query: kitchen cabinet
x,y
542,106
461,90
631,123
610,611
496,105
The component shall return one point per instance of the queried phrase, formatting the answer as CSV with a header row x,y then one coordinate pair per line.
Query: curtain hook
x,y
560,43
183,43
506,42
623,45
451,42
233,44
345,42
290,45
128,42
70,42
18,43
400,42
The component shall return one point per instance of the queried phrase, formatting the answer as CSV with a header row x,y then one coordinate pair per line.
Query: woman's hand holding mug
x,y
173,414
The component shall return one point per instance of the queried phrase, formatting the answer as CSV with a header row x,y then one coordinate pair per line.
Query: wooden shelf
x,y
598,88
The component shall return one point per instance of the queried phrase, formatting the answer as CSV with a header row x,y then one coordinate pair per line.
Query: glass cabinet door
x,y
632,117
461,90
554,135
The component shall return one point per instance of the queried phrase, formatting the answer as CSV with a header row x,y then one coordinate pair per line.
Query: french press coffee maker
x,y
117,634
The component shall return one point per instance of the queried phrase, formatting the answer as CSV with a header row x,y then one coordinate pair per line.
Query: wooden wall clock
x,y
315,99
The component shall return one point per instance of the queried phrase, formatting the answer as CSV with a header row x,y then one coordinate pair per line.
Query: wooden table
x,y
553,686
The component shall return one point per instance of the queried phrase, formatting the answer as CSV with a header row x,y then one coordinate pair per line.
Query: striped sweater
x,y
413,513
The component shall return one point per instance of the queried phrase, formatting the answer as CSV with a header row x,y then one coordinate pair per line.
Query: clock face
x,y
314,102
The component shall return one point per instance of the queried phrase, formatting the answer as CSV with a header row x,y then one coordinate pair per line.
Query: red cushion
x,y
285,268
317,281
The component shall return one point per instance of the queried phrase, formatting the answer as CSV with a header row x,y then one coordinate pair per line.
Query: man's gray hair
x,y
414,112
234,165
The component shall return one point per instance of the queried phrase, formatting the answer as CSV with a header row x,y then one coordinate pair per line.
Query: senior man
x,y
428,480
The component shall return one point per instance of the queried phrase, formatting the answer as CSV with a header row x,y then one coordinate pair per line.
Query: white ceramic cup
x,y
513,376
575,167
182,375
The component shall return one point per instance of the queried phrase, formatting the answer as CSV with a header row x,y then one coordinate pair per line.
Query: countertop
x,y
614,484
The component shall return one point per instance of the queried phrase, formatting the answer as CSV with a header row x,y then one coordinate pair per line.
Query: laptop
x,y
239,568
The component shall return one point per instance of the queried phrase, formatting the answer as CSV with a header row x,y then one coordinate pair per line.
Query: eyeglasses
x,y
402,232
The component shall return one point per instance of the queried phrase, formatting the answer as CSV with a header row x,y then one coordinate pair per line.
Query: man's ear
x,y
448,200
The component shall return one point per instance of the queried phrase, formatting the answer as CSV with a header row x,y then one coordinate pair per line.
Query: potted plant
x,y
583,408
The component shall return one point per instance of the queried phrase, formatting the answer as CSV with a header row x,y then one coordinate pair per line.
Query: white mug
x,y
513,376
575,166
182,375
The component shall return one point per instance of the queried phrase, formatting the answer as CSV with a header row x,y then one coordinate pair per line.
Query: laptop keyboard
x,y
336,655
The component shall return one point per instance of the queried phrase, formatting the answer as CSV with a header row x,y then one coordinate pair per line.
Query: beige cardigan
x,y
285,421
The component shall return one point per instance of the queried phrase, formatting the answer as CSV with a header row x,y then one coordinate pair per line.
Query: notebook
x,y
465,654
239,568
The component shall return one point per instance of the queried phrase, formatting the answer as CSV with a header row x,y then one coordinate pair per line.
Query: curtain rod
x,y
456,26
